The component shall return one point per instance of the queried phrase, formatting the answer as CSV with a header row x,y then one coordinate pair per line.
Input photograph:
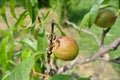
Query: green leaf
x,y
60,77
3,51
6,76
33,2
45,16
105,2
20,19
39,65
10,49
5,19
85,20
3,33
22,70
12,6
2,6
32,7
25,54
6,33
94,11
62,32
42,40
2,11
30,43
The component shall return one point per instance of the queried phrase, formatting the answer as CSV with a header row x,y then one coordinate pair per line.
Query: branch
x,y
101,51
111,47
84,30
49,51
116,60
98,71
106,56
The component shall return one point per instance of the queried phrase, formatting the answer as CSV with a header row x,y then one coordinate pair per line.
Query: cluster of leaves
x,y
20,56
26,51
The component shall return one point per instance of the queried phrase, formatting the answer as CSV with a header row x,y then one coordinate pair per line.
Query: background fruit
x,y
105,18
65,48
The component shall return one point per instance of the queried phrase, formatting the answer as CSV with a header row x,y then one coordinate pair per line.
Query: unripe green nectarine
x,y
105,18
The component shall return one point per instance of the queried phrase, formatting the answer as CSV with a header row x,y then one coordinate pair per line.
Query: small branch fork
x,y
97,56
103,51
105,56
113,46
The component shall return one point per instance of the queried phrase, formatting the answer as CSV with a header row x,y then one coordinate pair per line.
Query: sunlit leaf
x,y
32,7
6,75
3,51
94,11
3,33
85,20
45,16
3,12
12,7
10,49
61,31
105,1
22,70
25,54
20,19
42,40
2,6
30,43
33,2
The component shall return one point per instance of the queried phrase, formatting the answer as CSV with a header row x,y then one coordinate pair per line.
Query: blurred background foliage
x,y
24,34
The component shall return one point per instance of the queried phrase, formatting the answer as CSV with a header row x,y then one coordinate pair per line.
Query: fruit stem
x,y
103,36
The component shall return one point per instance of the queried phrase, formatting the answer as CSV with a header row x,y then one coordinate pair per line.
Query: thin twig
x,y
98,71
102,63
85,31
101,51
49,51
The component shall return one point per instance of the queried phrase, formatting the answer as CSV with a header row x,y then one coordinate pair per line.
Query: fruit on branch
x,y
105,18
65,48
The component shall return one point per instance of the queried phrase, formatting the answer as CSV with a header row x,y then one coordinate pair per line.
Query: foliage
x,y
23,47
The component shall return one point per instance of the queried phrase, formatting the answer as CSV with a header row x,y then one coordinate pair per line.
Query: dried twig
x,y
49,51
